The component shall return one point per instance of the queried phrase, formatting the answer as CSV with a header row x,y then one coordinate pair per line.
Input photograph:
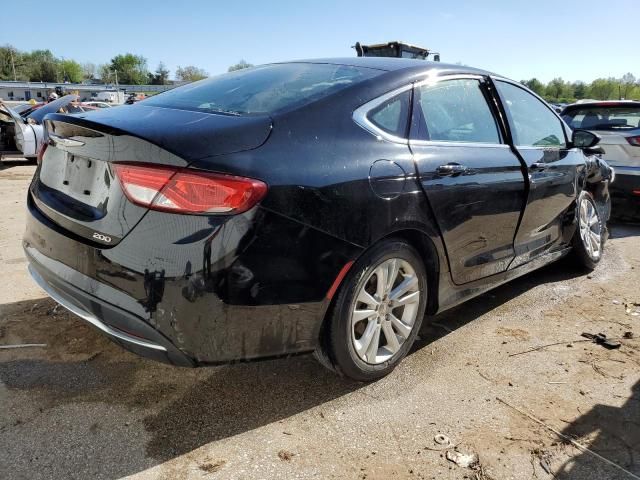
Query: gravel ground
x,y
83,408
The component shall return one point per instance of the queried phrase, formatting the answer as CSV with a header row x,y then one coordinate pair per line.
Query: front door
x,y
540,140
473,181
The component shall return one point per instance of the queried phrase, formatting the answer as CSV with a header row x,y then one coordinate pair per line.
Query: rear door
x,y
539,138
474,182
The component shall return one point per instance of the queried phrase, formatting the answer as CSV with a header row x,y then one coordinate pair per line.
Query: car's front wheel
x,y
588,241
378,311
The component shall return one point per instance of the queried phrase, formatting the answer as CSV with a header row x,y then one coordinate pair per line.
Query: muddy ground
x,y
83,408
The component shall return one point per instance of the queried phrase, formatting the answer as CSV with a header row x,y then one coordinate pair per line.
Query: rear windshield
x,y
263,89
622,117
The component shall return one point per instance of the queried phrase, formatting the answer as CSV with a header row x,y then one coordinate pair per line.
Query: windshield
x,y
613,117
263,89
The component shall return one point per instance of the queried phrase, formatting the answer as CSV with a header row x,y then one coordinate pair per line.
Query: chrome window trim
x,y
541,147
360,116
446,143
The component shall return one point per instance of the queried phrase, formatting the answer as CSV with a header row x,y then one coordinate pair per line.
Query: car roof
x,y
395,64
602,103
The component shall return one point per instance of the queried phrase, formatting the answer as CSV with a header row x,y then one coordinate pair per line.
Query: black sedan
x,y
316,206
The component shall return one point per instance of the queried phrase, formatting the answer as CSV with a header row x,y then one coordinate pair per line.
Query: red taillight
x,y
41,151
635,141
636,192
182,190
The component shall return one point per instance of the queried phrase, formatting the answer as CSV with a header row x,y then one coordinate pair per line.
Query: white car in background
x,y
97,104
21,131
617,123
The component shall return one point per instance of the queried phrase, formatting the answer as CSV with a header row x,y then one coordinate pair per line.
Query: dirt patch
x,y
212,467
516,333
285,455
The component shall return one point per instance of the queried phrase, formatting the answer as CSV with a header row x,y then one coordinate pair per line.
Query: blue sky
x,y
577,40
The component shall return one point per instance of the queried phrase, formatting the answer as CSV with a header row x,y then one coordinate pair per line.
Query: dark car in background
x,y
618,125
316,206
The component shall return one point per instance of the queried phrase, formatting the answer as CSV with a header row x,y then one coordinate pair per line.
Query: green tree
x,y
535,85
556,88
190,74
626,85
131,69
239,66
12,64
161,76
42,66
579,90
105,74
602,88
71,71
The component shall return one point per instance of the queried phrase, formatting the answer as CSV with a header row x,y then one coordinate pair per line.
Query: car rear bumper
x,y
625,200
121,326
244,288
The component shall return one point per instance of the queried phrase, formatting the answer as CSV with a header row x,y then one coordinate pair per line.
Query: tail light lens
x,y
635,141
181,190
41,151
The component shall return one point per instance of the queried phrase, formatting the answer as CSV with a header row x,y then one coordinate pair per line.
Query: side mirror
x,y
584,139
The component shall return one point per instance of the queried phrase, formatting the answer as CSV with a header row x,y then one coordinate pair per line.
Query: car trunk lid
x,y
189,135
76,185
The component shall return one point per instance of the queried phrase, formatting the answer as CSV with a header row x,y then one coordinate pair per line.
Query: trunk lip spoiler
x,y
64,141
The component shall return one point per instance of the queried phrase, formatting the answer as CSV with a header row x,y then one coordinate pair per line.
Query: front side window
x,y
532,122
455,111
263,89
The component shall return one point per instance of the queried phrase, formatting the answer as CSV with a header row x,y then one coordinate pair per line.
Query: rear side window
x,y
263,89
604,117
393,115
455,111
533,124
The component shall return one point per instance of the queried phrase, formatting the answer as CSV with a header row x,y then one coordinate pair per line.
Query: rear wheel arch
x,y
422,243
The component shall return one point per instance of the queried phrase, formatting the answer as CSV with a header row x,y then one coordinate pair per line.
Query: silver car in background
x,y
617,123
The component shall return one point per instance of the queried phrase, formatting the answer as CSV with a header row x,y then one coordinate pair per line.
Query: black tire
x,y
587,256
339,342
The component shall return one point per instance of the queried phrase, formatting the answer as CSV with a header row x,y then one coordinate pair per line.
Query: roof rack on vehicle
x,y
396,49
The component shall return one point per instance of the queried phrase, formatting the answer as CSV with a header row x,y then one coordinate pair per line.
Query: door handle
x,y
450,169
538,166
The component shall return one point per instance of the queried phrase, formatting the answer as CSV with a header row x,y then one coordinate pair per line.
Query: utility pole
x,y
13,65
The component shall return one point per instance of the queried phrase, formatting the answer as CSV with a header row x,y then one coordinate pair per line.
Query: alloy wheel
x,y
385,311
590,228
